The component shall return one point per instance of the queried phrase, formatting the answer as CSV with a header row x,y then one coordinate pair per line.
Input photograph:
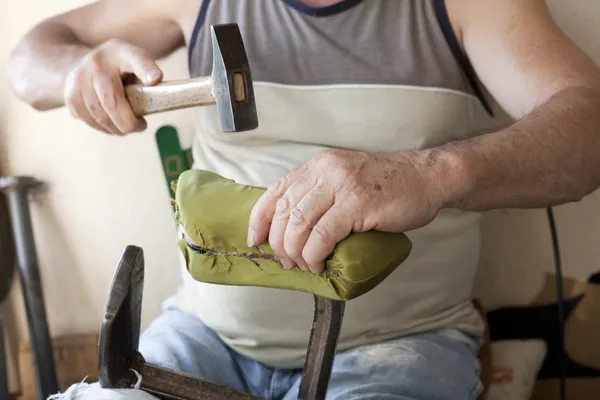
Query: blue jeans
x,y
436,365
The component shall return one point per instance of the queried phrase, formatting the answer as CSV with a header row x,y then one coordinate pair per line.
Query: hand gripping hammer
x,y
229,87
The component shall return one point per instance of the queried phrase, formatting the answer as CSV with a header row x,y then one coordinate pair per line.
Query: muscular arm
x,y
551,155
40,63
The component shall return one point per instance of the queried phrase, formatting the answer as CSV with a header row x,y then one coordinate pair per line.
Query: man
x,y
371,118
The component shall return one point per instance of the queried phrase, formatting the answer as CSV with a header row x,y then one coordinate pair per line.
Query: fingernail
x,y
153,75
251,238
303,266
287,264
142,126
318,268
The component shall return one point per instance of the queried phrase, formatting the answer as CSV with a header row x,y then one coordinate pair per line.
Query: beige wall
x,y
101,189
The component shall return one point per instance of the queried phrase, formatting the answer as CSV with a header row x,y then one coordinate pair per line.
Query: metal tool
x,y
229,87
7,269
3,368
7,250
327,323
17,190
118,354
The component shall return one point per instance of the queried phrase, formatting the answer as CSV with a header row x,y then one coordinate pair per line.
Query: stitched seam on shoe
x,y
249,256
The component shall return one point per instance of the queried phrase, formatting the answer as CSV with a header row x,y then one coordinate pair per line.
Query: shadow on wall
x,y
515,252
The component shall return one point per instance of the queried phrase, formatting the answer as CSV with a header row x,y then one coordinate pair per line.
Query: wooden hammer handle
x,y
171,95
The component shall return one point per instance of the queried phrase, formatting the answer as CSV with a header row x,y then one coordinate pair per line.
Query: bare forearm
x,y
38,67
548,158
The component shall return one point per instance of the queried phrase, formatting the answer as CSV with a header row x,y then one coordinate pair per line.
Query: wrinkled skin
x,y
320,203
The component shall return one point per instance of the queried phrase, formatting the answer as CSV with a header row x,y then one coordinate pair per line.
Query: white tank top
x,y
373,75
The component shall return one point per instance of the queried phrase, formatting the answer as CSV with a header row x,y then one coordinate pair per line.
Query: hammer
x,y
229,87
118,355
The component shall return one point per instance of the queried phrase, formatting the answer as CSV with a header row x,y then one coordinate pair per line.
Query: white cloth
x,y
525,357
93,391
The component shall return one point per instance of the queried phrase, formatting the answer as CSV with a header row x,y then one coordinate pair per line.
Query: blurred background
x,y
101,190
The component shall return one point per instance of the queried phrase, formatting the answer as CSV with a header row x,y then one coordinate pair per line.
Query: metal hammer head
x,y
120,330
232,80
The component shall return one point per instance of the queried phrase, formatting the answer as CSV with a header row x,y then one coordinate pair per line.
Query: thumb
x,y
142,66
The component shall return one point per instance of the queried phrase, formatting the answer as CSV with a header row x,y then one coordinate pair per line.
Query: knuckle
x,y
330,155
303,168
343,174
142,56
101,116
125,52
278,187
299,215
95,59
336,161
353,199
282,207
323,232
135,54
94,111
109,99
